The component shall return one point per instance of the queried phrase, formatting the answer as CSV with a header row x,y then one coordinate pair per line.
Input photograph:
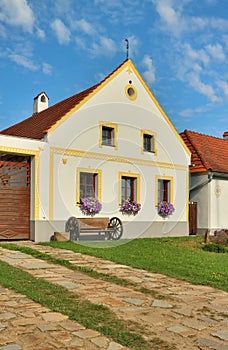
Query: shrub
x,y
216,248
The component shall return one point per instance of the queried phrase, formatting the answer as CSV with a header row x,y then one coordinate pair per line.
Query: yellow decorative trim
x,y
23,151
51,185
132,88
64,160
170,178
187,196
129,71
115,129
112,158
152,133
137,176
99,182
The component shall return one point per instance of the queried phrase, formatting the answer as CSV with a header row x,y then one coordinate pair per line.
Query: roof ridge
x,y
202,134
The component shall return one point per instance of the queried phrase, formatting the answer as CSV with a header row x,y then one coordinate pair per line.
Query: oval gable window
x,y
131,92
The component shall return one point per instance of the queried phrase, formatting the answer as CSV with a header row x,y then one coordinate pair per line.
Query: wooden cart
x,y
110,228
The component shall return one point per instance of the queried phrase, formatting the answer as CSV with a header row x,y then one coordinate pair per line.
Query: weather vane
x,y
127,47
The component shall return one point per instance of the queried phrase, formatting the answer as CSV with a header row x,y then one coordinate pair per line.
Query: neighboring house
x,y
208,179
112,141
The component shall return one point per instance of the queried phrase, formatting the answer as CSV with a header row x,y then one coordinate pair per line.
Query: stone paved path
x,y
189,316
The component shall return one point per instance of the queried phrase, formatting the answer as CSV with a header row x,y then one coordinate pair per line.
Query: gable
x,y
46,121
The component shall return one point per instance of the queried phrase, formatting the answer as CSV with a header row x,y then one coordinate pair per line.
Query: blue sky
x,y
180,47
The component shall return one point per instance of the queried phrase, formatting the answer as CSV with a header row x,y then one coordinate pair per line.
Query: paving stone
x,y
222,334
133,301
18,255
10,347
194,325
36,266
86,333
183,312
54,317
47,327
209,320
7,316
177,329
115,346
161,304
71,325
101,342
211,344
68,285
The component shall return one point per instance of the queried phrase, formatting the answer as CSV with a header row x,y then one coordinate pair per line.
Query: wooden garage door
x,y
14,197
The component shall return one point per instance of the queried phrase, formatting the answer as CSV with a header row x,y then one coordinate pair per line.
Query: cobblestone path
x,y
188,316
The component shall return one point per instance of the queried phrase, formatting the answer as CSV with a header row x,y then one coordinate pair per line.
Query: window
x,y
88,184
148,141
108,134
164,192
129,187
131,92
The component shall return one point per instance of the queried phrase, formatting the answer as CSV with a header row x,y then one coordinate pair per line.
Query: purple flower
x,y
165,209
130,207
90,206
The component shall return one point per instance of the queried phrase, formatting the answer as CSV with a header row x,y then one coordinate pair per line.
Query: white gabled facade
x,y
124,106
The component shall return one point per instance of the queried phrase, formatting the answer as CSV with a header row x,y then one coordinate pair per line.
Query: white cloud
x,y
84,26
40,33
47,68
2,31
106,46
17,13
194,55
216,51
23,61
224,86
149,74
171,16
61,31
203,88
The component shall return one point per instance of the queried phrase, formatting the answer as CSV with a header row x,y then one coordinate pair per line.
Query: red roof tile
x,y
39,124
208,152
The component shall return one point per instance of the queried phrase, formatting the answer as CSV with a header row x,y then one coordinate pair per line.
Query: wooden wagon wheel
x,y
73,226
116,224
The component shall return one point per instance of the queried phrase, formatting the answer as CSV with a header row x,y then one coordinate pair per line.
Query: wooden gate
x,y
14,197
193,218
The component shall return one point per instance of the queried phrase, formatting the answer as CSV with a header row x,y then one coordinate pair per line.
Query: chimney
x,y
225,135
40,102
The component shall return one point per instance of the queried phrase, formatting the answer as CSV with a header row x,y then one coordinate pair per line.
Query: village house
x,y
208,181
112,141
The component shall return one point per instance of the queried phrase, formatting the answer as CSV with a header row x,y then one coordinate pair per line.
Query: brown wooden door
x,y
14,197
193,218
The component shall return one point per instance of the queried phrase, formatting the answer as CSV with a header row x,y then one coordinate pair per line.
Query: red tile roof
x,y
39,124
208,152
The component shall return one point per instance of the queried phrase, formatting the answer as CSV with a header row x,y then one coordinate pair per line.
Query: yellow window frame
x,y
151,133
169,178
115,130
99,182
137,176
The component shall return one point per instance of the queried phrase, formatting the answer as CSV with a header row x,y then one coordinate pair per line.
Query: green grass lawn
x,y
182,257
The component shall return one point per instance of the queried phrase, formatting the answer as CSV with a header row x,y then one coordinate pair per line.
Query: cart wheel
x,y
116,224
73,226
